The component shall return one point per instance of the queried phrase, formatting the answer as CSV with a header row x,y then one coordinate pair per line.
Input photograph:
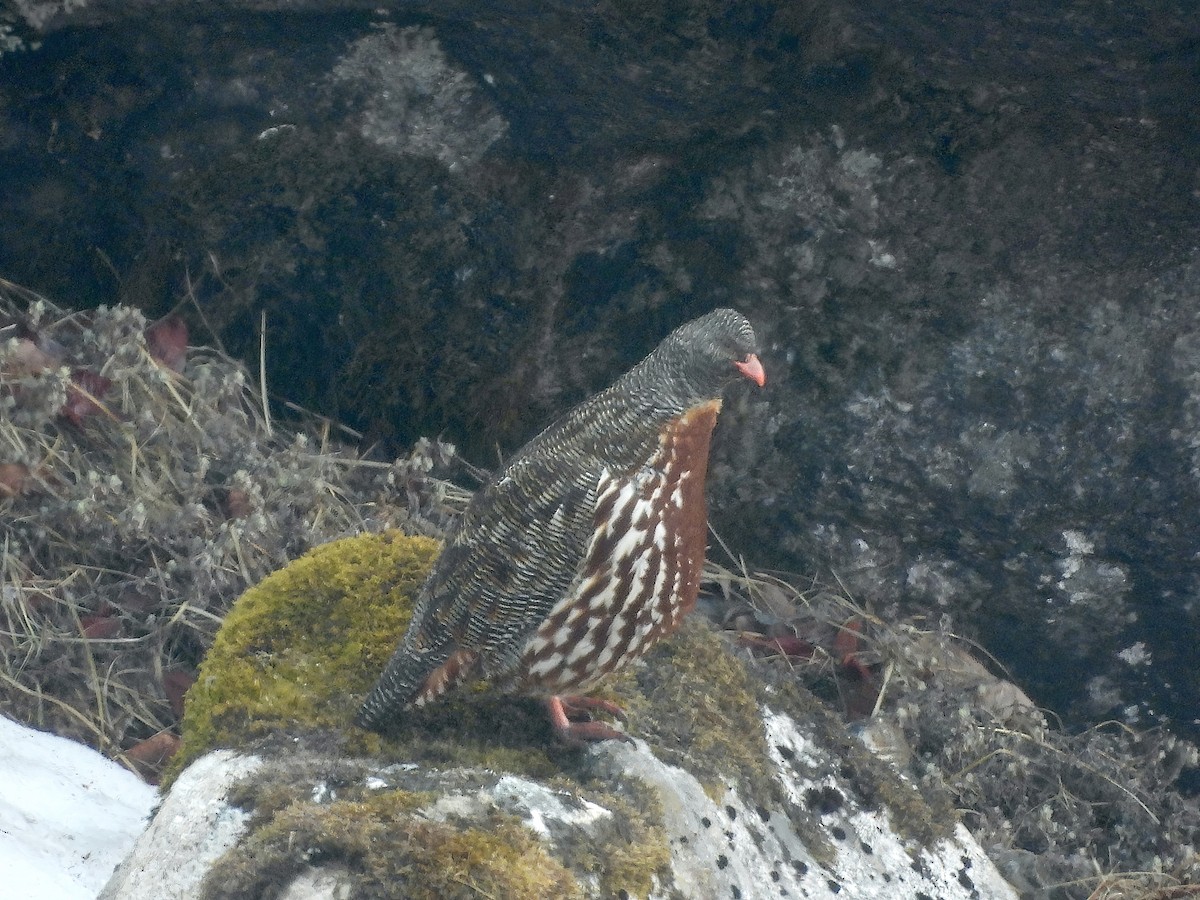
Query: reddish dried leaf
x,y
150,755
87,388
99,628
175,685
853,663
846,646
13,478
846,641
237,504
168,342
27,358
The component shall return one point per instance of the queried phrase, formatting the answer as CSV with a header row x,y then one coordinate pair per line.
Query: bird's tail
x,y
395,690
414,679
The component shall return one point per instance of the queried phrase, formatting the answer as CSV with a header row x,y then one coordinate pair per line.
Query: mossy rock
x,y
302,647
393,853
299,651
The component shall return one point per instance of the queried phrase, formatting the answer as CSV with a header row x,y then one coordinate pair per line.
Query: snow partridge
x,y
587,547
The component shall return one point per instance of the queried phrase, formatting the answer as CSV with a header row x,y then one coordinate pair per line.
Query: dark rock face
x,y
968,236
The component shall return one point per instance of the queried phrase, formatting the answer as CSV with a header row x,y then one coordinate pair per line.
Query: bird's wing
x,y
515,553
511,556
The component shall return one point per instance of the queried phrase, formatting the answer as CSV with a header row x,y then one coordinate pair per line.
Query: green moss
x,y
393,853
305,644
699,709
628,858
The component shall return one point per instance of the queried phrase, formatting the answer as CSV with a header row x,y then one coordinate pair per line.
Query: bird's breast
x,y
641,571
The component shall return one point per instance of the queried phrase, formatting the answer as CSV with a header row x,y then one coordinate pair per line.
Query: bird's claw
x,y
564,712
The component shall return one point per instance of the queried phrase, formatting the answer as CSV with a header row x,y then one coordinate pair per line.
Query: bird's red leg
x,y
584,732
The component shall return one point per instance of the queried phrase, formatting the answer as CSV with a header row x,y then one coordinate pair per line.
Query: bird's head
x,y
700,357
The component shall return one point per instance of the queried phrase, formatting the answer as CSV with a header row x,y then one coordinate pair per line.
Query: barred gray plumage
x,y
586,548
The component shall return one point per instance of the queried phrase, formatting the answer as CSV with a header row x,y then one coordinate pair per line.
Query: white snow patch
x,y
68,816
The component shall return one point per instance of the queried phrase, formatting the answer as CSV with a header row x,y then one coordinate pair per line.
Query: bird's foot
x,y
565,715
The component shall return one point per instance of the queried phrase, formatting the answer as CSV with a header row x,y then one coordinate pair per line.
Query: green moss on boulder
x,y
393,853
301,648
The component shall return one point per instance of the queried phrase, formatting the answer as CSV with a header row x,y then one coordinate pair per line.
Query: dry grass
x,y
137,502
1143,886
